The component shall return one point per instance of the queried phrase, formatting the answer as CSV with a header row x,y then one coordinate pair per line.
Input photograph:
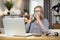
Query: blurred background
x,y
25,7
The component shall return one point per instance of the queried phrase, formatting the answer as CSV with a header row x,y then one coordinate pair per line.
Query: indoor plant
x,y
9,5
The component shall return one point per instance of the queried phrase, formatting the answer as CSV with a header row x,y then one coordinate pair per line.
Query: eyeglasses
x,y
37,11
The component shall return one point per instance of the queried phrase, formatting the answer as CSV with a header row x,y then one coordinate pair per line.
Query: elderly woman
x,y
40,24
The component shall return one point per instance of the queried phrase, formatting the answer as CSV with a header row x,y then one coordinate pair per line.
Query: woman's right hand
x,y
30,18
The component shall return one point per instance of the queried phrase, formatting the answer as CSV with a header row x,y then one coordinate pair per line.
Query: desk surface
x,y
30,38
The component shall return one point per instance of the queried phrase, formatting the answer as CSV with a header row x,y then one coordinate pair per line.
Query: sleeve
x,y
45,25
27,26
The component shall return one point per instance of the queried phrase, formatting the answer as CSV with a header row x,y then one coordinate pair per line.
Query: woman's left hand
x,y
37,17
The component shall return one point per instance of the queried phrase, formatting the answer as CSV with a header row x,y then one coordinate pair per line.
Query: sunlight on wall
x,y
18,3
34,3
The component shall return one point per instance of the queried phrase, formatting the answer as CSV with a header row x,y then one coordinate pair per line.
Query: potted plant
x,y
26,10
9,5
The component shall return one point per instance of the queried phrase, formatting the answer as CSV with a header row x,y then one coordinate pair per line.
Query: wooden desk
x,y
30,38
56,26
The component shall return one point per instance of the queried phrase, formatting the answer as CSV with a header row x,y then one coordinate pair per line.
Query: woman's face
x,y
37,11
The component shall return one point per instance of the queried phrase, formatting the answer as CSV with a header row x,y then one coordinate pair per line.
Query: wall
x,y
18,4
2,7
54,2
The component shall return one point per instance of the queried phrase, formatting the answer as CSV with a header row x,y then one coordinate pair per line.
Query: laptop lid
x,y
14,26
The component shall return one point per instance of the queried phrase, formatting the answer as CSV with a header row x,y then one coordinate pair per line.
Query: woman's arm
x,y
44,25
28,24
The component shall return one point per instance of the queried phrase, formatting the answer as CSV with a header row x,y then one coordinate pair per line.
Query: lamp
x,y
56,7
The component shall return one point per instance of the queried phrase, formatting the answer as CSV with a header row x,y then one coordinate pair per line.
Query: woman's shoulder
x,y
44,19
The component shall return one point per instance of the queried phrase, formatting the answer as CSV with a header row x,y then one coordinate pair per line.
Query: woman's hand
x,y
30,18
37,16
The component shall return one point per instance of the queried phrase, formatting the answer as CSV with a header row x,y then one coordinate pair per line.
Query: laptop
x,y
15,26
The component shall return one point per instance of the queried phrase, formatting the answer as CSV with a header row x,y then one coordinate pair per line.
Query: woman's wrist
x,y
29,21
39,20
40,23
